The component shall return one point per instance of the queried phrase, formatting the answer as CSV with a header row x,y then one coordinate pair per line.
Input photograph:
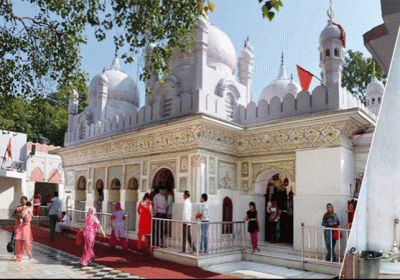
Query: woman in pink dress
x,y
22,229
36,204
89,236
118,231
144,210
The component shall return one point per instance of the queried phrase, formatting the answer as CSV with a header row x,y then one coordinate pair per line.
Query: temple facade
x,y
200,131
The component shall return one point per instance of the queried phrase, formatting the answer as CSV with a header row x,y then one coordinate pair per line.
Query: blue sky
x,y
294,31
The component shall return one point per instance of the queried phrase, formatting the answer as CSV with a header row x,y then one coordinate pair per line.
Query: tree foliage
x,y
46,46
357,73
270,7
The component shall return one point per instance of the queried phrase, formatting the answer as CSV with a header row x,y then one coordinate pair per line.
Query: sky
x,y
294,31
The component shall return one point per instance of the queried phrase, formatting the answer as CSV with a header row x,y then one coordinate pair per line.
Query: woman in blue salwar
x,y
330,220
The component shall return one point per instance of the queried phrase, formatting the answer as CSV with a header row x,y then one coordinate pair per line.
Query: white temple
x,y
200,131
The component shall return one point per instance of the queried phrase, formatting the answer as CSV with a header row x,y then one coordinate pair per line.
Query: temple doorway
x,y
274,189
164,179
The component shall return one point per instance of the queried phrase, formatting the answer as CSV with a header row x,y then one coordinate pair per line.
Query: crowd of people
x,y
159,205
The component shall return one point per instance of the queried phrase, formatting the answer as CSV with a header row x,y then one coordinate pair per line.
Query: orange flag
x,y
9,147
305,77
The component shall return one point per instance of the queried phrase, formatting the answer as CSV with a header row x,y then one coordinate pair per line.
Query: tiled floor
x,y
51,263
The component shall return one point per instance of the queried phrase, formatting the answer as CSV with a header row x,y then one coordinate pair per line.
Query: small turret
x,y
246,66
72,107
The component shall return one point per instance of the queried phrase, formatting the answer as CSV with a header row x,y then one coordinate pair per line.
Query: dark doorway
x,y
164,179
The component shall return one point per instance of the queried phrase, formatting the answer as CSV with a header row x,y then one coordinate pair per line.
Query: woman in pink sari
x,y
118,231
89,235
36,204
22,229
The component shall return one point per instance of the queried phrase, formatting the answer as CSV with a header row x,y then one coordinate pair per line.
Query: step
x,y
293,261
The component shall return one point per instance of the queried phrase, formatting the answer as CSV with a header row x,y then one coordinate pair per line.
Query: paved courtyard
x,y
51,263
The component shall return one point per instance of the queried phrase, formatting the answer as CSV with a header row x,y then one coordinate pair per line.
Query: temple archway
x,y
164,179
80,194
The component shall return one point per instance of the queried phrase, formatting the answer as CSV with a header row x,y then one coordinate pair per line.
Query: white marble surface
x,y
247,269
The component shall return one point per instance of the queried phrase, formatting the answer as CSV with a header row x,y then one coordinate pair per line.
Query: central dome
x,y
220,51
119,85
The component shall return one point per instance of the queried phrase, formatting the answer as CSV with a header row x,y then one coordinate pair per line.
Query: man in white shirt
x,y
187,218
63,222
160,206
204,215
54,210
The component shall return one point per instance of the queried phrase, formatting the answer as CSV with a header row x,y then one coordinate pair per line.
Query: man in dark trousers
x,y
54,211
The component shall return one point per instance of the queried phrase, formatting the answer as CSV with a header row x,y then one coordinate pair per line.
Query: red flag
x,y
305,77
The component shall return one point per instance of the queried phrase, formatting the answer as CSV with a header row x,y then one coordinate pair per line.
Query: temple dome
x,y
331,31
119,85
375,86
280,87
220,50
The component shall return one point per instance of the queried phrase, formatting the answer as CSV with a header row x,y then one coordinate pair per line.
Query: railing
x,y
221,236
319,244
78,220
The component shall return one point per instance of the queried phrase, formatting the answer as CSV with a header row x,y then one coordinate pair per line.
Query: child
x,y
25,211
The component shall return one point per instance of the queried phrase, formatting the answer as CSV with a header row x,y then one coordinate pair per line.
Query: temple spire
x,y
331,12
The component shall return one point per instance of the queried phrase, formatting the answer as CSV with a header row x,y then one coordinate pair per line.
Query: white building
x,y
200,131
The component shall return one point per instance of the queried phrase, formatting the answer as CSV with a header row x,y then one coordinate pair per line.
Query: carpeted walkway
x,y
141,264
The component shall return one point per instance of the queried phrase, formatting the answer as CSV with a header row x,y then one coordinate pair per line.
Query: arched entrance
x,y
131,201
80,194
114,194
99,195
164,179
275,185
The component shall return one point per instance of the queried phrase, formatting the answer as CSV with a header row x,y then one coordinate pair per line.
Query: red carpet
x,y
143,265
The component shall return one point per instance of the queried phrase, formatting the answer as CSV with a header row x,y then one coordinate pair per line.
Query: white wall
x,y
322,176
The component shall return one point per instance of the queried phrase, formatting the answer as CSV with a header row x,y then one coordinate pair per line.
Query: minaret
x,y
200,52
374,94
102,94
332,50
72,108
245,66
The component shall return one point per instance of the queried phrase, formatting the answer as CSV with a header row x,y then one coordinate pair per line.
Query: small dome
x,y
330,31
119,85
247,52
220,49
375,86
280,87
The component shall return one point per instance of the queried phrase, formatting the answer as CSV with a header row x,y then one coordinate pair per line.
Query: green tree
x,y
357,73
270,7
45,45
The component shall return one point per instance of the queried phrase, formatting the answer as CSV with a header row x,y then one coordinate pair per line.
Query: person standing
x,y
253,227
160,211
144,210
187,219
350,214
54,211
36,204
92,223
204,215
118,231
330,220
274,220
22,230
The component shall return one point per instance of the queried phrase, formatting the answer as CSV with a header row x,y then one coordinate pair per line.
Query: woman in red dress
x,y
36,204
144,210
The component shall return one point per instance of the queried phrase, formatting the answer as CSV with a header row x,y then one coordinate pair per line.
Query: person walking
x,y
204,215
54,211
253,226
186,225
36,204
160,211
92,223
330,220
144,210
22,230
118,230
